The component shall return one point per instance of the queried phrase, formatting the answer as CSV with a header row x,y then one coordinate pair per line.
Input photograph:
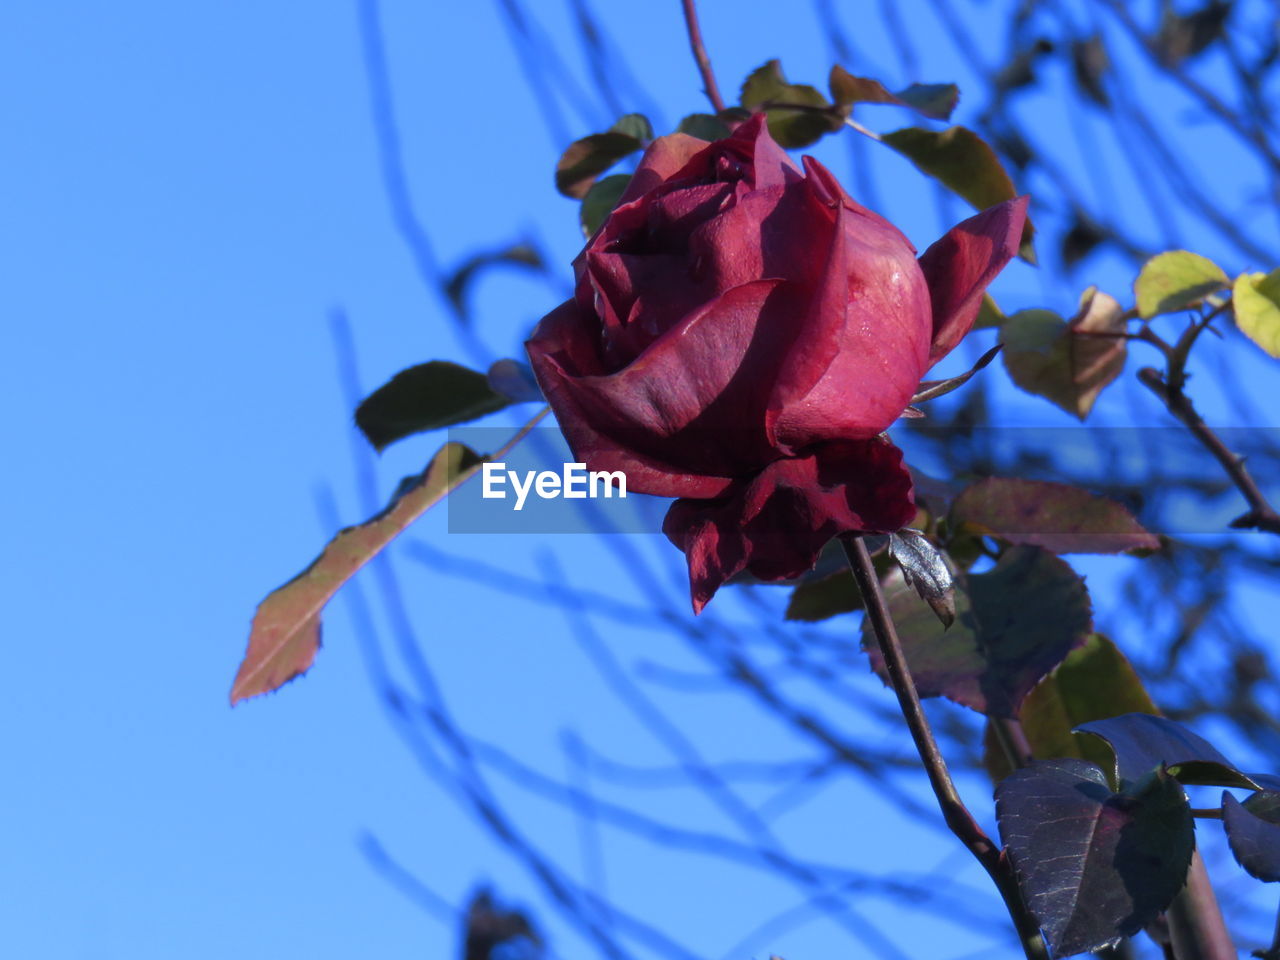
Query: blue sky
x,y
191,192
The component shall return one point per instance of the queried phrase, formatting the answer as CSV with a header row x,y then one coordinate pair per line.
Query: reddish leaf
x,y
1056,516
933,100
1093,866
1014,624
1253,830
285,634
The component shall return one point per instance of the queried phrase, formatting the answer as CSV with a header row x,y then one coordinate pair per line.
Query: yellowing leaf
x,y
1094,682
285,634
1066,362
989,314
1257,304
1176,280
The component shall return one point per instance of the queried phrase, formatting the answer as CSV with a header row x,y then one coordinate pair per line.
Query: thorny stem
x,y
700,54
954,812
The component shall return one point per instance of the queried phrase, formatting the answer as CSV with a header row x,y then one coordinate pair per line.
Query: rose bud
x,y
741,335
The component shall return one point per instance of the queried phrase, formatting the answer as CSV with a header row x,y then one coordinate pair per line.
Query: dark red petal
x,y
694,397
645,474
570,334
776,523
960,265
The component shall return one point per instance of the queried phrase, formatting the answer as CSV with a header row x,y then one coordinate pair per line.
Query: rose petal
x,y
696,397
829,189
564,334
960,265
864,343
663,158
747,155
770,164
756,236
776,523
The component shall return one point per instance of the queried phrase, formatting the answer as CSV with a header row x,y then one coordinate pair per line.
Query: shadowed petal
x,y
775,524
691,407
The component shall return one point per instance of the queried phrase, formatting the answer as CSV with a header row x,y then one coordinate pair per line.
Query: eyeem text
x,y
574,482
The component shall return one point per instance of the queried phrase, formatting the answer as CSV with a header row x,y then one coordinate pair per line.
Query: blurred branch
x,y
1261,515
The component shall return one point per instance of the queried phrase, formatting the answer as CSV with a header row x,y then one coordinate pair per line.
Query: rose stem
x,y
700,54
954,812
1196,927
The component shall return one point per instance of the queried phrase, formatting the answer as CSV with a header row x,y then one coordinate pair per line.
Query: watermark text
x,y
574,482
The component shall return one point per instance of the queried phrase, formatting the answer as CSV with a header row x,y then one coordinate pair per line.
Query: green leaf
x,y
814,600
1052,358
1142,742
1056,516
1094,682
962,162
1176,280
285,634
591,156
1256,299
769,90
635,125
1014,624
704,126
933,100
600,201
426,397
989,314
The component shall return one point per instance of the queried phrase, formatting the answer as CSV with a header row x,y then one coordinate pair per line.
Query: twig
x,y
1207,97
700,54
1261,515
956,814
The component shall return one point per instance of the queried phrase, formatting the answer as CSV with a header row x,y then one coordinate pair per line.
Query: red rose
x,y
741,335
